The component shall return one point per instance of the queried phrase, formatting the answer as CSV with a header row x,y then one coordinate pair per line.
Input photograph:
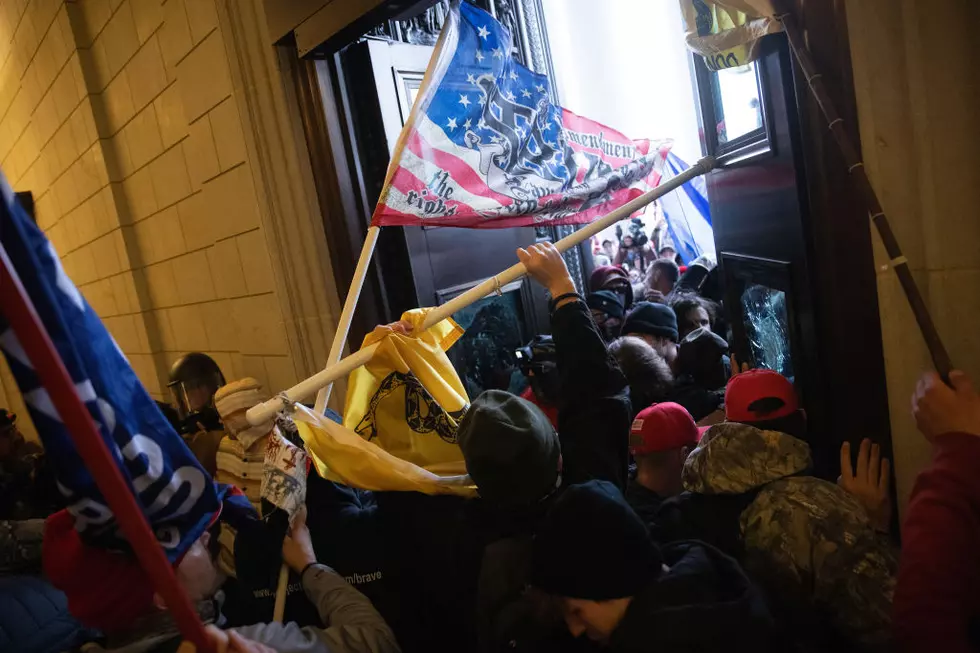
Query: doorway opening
x,y
624,64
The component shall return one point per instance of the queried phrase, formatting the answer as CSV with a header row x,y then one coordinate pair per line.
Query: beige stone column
x,y
918,93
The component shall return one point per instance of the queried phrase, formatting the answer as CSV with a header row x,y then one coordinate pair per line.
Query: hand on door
x,y
868,482
546,266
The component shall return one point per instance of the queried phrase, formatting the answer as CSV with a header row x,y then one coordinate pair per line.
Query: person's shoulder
x,y
806,509
817,496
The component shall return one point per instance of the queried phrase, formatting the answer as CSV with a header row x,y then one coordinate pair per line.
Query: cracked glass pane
x,y
767,328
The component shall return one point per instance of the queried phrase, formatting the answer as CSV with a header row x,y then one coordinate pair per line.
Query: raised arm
x,y
594,407
939,576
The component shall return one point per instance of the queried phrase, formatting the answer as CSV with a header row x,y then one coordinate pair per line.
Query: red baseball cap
x,y
745,390
662,427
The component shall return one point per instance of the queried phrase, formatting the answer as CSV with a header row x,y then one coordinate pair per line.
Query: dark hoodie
x,y
703,602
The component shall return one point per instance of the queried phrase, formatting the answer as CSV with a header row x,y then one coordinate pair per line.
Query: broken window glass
x,y
767,328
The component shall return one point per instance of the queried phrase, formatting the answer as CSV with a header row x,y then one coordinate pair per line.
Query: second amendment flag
x,y
484,146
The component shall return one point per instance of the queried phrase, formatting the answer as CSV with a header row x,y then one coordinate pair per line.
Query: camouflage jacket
x,y
807,541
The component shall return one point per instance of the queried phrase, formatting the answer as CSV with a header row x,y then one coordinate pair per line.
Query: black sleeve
x,y
594,406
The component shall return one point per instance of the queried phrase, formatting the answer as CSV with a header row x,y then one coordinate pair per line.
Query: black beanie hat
x,y
593,546
652,319
606,301
510,448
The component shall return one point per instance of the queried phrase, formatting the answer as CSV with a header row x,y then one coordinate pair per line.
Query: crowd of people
x,y
646,493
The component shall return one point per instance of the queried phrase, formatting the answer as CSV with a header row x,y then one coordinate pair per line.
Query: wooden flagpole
x,y
323,395
33,337
264,411
343,325
855,168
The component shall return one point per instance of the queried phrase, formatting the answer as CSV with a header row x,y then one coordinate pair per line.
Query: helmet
x,y
194,379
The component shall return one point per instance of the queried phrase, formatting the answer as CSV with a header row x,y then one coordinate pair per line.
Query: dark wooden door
x,y
427,266
778,296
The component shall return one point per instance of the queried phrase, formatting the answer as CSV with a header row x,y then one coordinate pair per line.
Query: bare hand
x,y
297,548
940,409
735,368
402,326
546,266
654,296
869,482
226,641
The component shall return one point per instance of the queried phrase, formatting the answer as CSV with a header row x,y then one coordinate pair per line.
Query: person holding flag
x,y
84,551
455,554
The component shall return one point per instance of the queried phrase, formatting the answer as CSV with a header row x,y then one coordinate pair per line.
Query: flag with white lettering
x,y
177,496
485,147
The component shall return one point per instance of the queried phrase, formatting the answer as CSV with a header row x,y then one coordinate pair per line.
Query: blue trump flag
x,y
177,496
687,213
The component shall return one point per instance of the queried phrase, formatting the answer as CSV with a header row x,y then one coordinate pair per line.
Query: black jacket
x,y
703,603
646,503
346,536
445,556
594,415
594,410
456,564
698,400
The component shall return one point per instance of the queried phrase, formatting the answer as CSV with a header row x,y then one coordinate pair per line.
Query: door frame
x,y
844,300
845,387
327,121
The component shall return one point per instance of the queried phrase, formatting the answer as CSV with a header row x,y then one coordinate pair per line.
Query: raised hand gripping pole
x,y
265,411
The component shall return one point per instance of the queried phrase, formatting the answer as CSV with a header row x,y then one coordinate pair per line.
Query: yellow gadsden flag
x,y
408,400
343,456
727,32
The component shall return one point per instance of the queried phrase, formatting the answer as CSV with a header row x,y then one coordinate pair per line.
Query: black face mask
x,y
206,419
610,328
622,292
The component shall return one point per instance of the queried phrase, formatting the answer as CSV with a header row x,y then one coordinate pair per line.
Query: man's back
x,y
807,542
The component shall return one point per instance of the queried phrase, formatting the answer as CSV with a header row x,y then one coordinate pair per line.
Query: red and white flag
x,y
484,146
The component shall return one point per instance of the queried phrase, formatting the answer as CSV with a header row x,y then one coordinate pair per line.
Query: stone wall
x,y
918,88
123,118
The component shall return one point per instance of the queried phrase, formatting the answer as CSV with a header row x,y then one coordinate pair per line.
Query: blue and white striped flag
x,y
178,497
687,213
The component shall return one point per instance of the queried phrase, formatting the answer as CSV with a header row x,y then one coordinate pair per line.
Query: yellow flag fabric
x,y
727,32
408,400
343,456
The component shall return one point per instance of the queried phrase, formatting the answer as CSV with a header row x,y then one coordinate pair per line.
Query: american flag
x,y
176,494
485,147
